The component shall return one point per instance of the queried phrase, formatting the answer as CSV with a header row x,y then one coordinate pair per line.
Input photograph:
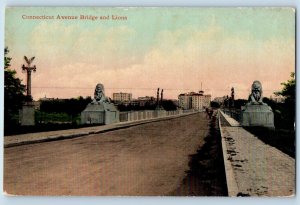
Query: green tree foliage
x,y
14,91
215,104
289,88
239,103
72,107
288,109
6,59
169,105
278,110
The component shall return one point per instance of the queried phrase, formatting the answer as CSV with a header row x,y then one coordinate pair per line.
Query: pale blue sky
x,y
172,48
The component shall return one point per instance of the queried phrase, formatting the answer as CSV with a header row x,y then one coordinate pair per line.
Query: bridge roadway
x,y
143,160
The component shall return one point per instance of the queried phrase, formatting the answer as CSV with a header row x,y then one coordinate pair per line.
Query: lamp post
x,y
157,98
27,114
161,97
29,69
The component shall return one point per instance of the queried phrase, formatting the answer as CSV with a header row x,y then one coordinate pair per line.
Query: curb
x,y
232,187
80,134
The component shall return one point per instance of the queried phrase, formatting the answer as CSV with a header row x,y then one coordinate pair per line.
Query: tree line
x,y
72,107
168,105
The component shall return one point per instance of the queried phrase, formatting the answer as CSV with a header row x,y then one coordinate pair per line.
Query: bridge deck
x,y
30,138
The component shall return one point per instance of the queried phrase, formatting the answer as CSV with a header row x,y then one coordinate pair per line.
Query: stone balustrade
x,y
149,114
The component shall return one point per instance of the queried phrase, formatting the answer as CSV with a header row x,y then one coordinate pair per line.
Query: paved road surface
x,y
149,159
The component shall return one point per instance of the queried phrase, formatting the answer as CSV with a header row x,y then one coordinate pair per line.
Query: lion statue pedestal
x,y
257,115
255,112
26,114
100,110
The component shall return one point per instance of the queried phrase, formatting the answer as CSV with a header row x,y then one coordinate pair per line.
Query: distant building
x,y
122,97
37,104
133,102
277,99
185,101
47,99
194,100
200,101
146,100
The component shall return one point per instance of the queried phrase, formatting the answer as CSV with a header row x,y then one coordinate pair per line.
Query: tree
x,y
289,88
169,105
239,103
289,108
214,104
13,91
72,107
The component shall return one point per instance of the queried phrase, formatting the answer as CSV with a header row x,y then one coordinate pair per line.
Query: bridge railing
x,y
150,114
233,112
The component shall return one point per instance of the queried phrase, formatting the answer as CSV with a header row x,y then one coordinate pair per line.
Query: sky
x,y
175,49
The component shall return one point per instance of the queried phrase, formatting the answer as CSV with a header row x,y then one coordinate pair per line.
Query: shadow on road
x,y
206,176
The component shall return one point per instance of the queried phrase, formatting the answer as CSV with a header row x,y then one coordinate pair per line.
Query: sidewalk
x,y
22,139
254,168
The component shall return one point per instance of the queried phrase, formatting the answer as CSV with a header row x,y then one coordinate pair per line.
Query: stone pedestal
x,y
257,115
101,113
26,114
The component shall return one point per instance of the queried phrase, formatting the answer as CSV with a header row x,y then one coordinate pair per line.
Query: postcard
x,y
149,101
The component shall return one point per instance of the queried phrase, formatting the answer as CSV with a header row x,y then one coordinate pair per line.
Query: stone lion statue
x,y
256,93
99,96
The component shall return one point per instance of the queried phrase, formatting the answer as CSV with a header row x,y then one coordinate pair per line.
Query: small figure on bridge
x,y
209,112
